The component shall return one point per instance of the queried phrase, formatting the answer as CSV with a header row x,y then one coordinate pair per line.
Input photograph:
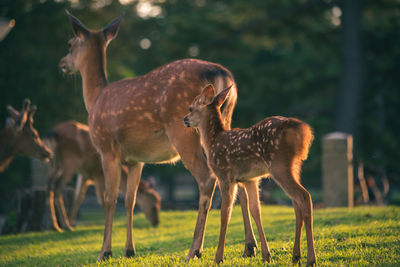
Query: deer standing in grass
x,y
20,137
74,153
139,120
275,146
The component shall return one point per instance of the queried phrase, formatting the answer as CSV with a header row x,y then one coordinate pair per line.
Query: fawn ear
x,y
79,29
111,30
208,94
221,97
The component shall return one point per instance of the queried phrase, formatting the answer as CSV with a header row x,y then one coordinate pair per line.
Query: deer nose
x,y
63,65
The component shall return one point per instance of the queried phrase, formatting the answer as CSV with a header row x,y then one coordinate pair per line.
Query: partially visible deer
x,y
275,146
20,137
139,120
74,153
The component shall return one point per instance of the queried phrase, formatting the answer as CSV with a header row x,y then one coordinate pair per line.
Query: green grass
x,y
363,236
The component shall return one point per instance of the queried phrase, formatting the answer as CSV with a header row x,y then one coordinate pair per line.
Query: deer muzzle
x,y
186,121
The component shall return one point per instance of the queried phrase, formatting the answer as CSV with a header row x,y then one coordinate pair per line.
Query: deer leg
x,y
187,143
302,198
299,227
99,188
206,189
133,179
58,194
254,200
250,246
112,174
50,195
79,196
227,194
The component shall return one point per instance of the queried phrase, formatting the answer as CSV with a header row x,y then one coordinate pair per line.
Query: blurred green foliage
x,y
285,56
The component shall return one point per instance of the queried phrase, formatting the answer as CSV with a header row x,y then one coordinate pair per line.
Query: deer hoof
x,y
69,228
218,261
57,228
104,255
129,253
311,263
250,250
297,260
197,254
267,258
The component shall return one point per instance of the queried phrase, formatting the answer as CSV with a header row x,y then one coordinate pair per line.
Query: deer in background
x,y
139,120
20,137
275,146
74,153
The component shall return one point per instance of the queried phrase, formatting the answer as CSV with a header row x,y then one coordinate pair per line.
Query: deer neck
x,y
6,151
211,128
94,76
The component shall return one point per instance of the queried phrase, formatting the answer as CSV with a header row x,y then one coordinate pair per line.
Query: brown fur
x,y
20,137
139,120
74,153
275,146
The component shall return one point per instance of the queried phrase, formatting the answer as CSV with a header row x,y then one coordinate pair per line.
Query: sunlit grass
x,y
363,236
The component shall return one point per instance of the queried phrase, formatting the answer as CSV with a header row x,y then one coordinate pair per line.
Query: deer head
x,y
87,43
26,140
150,203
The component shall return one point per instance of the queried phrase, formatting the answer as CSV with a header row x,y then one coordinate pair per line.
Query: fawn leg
x,y
112,174
299,226
254,200
227,194
288,182
134,173
78,199
250,246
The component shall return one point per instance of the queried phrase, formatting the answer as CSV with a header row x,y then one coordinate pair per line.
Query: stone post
x,y
337,170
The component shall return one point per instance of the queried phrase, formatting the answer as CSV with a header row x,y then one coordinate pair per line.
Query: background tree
x,y
286,57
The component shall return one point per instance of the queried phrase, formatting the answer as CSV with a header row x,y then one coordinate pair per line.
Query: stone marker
x,y
337,170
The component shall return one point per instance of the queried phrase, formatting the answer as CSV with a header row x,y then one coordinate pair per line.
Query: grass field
x,y
363,236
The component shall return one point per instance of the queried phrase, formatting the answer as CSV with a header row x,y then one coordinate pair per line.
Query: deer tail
x,y
301,138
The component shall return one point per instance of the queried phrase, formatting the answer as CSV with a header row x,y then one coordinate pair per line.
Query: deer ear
x,y
221,97
111,30
79,29
23,115
32,111
207,95
13,113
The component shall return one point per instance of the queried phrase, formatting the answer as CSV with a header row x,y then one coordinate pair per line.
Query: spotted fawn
x,y
274,147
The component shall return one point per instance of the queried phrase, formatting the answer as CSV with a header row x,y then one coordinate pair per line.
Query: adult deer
x,y
275,146
74,153
20,137
139,120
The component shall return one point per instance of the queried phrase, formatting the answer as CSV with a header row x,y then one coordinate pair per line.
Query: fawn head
x,y
204,103
26,139
87,43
